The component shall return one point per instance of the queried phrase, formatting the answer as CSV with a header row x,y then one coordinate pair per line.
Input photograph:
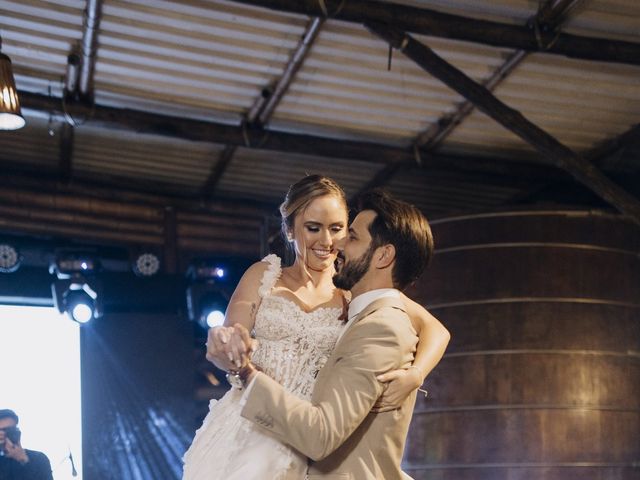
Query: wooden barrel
x,y
542,376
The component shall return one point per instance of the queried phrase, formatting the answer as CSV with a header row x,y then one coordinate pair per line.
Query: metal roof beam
x,y
264,139
563,157
551,15
264,114
266,104
65,164
92,16
608,148
217,170
437,24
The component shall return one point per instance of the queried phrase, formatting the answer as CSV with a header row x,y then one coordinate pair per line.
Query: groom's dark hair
x,y
405,227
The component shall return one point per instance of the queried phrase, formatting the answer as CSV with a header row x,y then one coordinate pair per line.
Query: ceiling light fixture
x,y
10,116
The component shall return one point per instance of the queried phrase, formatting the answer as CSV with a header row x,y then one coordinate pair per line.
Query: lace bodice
x,y
292,344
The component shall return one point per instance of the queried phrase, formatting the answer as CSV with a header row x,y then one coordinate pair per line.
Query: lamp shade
x,y
10,116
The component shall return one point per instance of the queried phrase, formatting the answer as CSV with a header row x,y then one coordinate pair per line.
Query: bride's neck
x,y
305,275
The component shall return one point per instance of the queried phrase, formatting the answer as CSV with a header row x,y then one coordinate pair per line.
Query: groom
x,y
388,246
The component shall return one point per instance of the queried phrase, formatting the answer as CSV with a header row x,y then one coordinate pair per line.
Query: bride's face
x,y
317,229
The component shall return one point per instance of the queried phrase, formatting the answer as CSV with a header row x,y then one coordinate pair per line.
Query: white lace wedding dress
x,y
293,346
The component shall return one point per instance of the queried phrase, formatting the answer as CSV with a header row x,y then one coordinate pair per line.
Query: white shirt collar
x,y
360,302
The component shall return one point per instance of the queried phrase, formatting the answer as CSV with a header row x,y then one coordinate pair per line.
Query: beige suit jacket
x,y
336,429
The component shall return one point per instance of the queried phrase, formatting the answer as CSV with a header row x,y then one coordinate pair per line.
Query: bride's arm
x,y
433,340
224,351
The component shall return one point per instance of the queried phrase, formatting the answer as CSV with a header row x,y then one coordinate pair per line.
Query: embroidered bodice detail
x,y
292,344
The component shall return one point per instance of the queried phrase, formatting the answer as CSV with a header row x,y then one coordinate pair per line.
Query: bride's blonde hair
x,y
302,193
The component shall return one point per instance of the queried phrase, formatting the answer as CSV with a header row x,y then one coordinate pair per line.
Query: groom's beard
x,y
352,272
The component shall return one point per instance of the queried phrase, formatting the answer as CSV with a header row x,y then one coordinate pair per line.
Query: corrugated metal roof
x,y
122,154
211,59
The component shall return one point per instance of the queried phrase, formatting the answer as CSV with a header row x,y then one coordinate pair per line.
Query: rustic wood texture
x,y
569,227
136,220
502,273
578,472
542,377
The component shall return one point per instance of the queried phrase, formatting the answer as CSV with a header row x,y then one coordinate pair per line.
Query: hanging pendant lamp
x,y
10,116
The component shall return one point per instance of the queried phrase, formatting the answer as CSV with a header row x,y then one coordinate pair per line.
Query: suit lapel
x,y
369,309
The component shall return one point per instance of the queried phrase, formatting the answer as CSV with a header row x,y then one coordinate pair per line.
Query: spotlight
x,y
9,259
76,291
79,306
215,318
206,301
68,264
205,270
146,265
206,304
79,298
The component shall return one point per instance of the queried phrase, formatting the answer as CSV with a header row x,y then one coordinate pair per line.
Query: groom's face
x,y
355,252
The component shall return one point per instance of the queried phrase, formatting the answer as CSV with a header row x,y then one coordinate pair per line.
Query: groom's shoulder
x,y
387,318
386,308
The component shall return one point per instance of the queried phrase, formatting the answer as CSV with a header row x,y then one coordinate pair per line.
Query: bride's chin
x,y
321,265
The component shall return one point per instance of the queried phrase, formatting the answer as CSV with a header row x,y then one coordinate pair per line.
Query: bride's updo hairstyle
x,y
302,193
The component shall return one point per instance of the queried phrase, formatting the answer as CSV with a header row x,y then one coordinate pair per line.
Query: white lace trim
x,y
271,274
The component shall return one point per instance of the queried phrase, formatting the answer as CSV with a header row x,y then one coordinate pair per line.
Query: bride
x,y
297,315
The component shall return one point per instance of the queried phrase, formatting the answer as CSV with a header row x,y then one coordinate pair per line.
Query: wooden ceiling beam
x,y
267,102
217,170
437,24
281,86
555,12
610,147
551,15
563,157
264,139
597,156
65,162
203,131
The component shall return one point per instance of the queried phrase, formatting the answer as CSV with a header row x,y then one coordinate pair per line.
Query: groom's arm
x,y
345,390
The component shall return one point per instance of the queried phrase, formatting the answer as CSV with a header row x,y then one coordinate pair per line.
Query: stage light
x,y
79,306
79,298
206,304
206,299
70,263
146,265
9,259
77,292
204,270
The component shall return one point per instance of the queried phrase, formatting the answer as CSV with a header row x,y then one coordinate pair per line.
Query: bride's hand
x,y
241,345
399,385
219,351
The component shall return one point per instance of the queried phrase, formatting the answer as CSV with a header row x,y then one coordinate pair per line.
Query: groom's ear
x,y
385,256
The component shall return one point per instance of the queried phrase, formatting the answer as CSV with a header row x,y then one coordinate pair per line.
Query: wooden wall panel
x,y
542,376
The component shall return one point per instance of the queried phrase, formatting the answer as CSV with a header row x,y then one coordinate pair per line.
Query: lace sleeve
x,y
271,274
